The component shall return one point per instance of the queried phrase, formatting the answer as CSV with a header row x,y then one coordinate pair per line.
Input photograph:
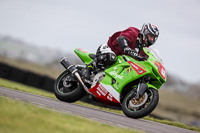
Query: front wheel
x,y
67,90
139,108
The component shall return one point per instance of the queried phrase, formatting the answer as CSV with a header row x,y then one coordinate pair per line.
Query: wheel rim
x,y
64,86
134,105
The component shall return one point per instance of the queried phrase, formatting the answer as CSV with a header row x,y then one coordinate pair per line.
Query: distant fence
x,y
26,77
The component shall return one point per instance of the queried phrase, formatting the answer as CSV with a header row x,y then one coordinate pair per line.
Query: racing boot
x,y
86,72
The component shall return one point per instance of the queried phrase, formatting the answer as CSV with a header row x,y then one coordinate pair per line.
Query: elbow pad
x,y
122,42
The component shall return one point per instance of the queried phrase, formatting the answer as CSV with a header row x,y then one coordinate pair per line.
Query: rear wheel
x,y
139,108
67,90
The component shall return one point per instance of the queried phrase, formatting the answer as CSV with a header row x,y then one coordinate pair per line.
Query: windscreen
x,y
156,54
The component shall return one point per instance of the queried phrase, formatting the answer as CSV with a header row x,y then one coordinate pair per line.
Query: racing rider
x,y
127,42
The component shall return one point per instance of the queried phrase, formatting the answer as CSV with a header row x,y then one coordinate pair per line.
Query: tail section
x,y
85,56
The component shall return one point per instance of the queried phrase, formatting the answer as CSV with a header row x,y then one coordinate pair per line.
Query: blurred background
x,y
35,34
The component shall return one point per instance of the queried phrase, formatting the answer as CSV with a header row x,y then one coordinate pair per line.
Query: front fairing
x,y
127,69
157,64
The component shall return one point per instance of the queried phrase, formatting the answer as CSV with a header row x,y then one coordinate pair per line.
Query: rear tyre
x,y
66,90
139,108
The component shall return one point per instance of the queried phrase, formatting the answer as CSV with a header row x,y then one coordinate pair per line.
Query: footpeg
x,y
87,81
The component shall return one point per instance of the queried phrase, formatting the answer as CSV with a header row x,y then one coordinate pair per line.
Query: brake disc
x,y
66,82
133,103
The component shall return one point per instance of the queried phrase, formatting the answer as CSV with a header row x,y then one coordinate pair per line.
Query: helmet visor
x,y
151,38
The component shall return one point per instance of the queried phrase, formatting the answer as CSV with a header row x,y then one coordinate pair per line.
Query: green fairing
x,y
84,55
151,86
123,73
121,70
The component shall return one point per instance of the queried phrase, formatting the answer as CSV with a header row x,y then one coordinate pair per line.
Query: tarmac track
x,y
94,114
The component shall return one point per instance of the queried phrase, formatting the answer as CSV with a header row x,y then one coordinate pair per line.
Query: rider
x,y
128,42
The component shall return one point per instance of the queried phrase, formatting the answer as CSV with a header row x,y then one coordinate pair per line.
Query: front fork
x,y
142,87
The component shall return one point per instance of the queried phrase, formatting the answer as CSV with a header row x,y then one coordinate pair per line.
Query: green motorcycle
x,y
128,83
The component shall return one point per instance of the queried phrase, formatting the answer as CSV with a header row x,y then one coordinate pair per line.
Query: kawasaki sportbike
x,y
129,83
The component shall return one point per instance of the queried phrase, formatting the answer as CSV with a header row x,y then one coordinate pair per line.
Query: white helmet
x,y
149,31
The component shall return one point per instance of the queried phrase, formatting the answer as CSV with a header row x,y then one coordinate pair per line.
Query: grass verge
x,y
17,86
21,117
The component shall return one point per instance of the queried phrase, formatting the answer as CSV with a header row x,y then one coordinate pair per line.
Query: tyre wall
x,y
26,77
39,81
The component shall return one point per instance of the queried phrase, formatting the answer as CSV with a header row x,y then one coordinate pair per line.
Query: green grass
x,y
17,86
21,117
179,102
173,123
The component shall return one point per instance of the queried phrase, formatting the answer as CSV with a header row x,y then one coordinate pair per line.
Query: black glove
x,y
130,52
134,54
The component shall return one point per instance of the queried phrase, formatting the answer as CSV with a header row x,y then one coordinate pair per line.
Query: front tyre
x,y
139,108
67,90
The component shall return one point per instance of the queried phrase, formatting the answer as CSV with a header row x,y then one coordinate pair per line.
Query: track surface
x,y
95,114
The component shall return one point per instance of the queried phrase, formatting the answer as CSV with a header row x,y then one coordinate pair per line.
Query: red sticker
x,y
161,69
103,95
138,69
84,51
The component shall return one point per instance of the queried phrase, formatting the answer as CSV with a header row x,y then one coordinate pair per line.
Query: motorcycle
x,y
129,83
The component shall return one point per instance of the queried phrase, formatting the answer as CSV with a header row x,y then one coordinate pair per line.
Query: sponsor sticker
x,y
129,69
161,69
84,51
119,61
107,94
116,87
157,64
141,65
137,68
154,27
140,71
126,73
116,75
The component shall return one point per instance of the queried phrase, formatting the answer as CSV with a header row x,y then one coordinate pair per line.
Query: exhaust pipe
x,y
65,62
73,70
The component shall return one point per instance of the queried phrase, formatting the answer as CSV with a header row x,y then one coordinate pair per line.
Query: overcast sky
x,y
67,24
